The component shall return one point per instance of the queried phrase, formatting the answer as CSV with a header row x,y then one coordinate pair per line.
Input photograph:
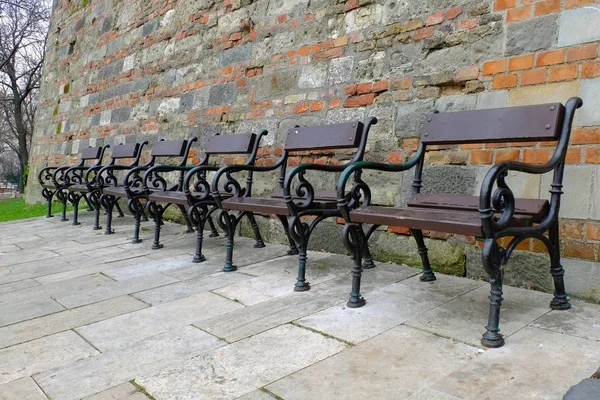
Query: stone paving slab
x,y
126,391
42,354
24,388
104,371
68,319
393,365
534,364
243,366
128,329
172,329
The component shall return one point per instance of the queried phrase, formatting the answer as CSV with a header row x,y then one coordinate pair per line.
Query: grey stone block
x,y
150,26
410,118
579,25
120,115
531,35
495,99
107,24
222,94
235,55
456,103
588,90
313,76
340,70
277,83
187,102
587,389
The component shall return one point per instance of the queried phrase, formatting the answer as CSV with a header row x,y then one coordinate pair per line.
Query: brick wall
x,y
123,71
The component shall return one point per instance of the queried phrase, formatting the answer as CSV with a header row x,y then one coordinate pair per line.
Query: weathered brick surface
x,y
121,71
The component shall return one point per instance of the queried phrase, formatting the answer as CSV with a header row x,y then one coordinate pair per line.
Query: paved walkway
x,y
83,315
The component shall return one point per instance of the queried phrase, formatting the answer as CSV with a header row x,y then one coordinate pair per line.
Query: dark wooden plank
x,y
78,188
327,195
536,208
168,197
513,124
117,191
258,205
91,153
334,136
463,223
230,144
169,148
125,151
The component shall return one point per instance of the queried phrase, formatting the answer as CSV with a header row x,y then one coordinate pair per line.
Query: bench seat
x,y
452,221
174,197
78,188
324,200
535,208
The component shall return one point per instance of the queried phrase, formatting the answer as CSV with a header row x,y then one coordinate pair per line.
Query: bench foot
x,y
302,286
293,251
368,264
492,340
427,276
75,223
49,216
560,304
356,303
157,246
259,245
97,228
136,240
213,228
229,268
189,230
199,259
111,232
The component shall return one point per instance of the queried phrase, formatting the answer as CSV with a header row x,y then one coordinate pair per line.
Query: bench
x,y
132,186
291,204
55,180
492,215
99,177
197,198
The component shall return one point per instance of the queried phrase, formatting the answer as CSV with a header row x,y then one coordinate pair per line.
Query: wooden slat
x,y
513,124
334,136
258,205
230,144
463,223
327,195
536,208
168,197
125,151
91,153
170,148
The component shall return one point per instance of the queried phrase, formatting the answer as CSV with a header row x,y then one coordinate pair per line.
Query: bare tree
x,y
23,33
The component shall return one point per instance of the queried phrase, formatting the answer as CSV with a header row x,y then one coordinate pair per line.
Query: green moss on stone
x,y
67,88
56,110
59,128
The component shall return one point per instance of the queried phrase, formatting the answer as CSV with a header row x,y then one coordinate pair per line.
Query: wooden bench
x,y
291,204
196,197
99,177
55,180
132,186
494,214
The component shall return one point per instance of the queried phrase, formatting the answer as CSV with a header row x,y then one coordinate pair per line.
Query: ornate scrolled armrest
x,y
108,170
59,176
152,179
232,186
304,191
360,192
201,186
45,175
133,179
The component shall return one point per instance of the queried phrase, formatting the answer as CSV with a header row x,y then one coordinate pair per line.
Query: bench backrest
x,y
169,148
542,122
230,144
125,151
335,136
92,153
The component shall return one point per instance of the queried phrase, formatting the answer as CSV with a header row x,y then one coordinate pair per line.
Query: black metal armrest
x,y
45,174
152,180
202,186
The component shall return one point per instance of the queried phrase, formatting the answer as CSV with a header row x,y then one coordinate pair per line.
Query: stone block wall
x,y
122,71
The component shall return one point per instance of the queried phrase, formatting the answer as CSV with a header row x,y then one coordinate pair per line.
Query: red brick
x,y
533,77
360,101
589,50
467,23
302,108
399,230
572,229
507,155
454,12
481,156
500,5
317,106
282,18
562,73
521,62
494,67
592,231
518,14
536,156
348,90
550,58
304,51
590,69
592,155
351,5
424,33
573,156
380,86
585,136
400,84
435,18
466,74
577,3
328,54
572,248
505,81
546,7
364,87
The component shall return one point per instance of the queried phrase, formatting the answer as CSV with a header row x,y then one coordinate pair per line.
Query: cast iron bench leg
x,y
213,228
135,206
300,232
561,299
48,195
428,275
90,204
74,198
259,240
108,202
293,249
156,211
96,200
492,257
62,196
120,215
198,216
355,240
190,228
228,223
